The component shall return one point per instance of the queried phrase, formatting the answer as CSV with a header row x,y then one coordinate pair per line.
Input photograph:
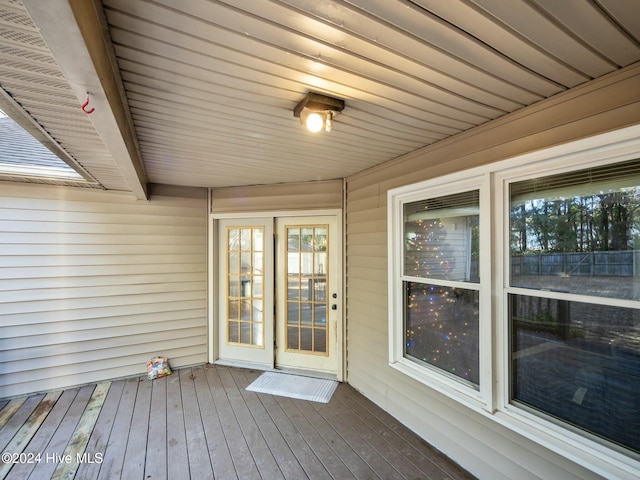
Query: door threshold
x,y
307,373
243,364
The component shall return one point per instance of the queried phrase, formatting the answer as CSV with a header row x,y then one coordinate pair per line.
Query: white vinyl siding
x,y
472,438
94,284
280,197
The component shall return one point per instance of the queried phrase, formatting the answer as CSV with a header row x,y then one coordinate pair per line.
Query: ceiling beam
x,y
75,31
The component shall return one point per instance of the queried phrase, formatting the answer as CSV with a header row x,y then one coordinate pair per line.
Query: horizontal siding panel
x,y
369,214
15,213
139,297
375,275
370,238
368,286
293,196
371,226
96,328
59,252
93,285
367,303
93,260
373,332
363,193
97,239
154,273
377,250
71,227
22,358
374,262
70,365
362,204
63,206
38,291
52,321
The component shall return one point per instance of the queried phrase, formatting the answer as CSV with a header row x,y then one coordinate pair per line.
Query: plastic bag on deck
x,y
158,367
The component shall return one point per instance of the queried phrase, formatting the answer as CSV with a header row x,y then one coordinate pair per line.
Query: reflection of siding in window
x,y
439,249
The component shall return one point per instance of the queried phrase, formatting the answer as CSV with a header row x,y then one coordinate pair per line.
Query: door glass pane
x,y
293,239
306,339
306,260
233,332
293,263
306,289
320,315
293,338
245,280
245,239
233,239
320,241
234,262
320,263
258,243
257,262
257,311
306,316
306,239
293,288
320,340
319,289
293,313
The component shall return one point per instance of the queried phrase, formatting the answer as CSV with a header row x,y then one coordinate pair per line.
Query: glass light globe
x,y
314,122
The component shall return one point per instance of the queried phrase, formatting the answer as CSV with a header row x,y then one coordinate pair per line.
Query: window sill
x,y
431,378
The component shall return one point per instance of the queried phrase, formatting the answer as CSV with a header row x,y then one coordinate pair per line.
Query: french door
x,y
278,294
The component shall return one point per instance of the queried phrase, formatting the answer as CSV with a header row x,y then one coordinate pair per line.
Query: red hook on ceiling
x,y
84,106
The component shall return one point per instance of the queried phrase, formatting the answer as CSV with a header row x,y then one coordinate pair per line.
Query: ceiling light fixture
x,y
316,111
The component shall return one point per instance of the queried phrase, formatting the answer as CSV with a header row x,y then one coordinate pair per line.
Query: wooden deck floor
x,y
201,423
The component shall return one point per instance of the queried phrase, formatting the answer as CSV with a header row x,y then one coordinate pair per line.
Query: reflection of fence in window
x,y
611,264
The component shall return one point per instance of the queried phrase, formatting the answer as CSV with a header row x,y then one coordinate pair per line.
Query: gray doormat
x,y
294,386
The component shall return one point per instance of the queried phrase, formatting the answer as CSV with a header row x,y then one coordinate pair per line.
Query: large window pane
x,y
578,363
441,238
578,232
442,328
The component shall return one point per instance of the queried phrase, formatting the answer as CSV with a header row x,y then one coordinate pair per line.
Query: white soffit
x,y
40,99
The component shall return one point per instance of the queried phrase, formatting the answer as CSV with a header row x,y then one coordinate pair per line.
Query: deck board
x,y
111,466
99,439
40,440
201,422
258,444
156,461
56,447
200,462
136,451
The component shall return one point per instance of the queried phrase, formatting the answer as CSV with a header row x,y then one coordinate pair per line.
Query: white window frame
x,y
430,375
492,400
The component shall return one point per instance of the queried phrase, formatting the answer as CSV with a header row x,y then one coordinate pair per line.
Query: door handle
x,y
334,307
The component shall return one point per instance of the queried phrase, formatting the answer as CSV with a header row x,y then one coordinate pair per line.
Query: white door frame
x,y
213,269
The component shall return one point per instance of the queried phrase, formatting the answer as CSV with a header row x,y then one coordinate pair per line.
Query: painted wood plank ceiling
x,y
211,85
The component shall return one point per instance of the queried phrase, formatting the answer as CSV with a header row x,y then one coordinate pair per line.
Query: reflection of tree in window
x,y
578,233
